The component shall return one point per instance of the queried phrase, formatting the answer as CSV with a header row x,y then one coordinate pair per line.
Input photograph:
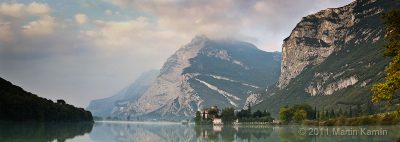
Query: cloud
x,y
6,34
11,9
46,25
231,18
35,8
119,34
18,10
18,20
81,18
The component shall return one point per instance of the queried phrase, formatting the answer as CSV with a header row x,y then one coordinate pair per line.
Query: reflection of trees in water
x,y
230,134
42,132
257,133
153,132
142,132
290,134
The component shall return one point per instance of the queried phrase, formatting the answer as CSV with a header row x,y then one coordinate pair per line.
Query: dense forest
x,y
17,104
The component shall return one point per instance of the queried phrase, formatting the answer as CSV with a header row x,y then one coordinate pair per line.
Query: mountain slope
x,y
206,72
332,58
106,106
18,105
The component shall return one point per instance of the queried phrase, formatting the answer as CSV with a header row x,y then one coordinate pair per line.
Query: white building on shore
x,y
217,121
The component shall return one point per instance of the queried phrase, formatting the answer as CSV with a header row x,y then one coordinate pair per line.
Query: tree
x,y
340,113
299,115
350,112
307,108
228,115
213,112
332,114
358,111
327,114
198,117
61,102
315,113
258,114
285,114
266,114
389,90
322,114
369,109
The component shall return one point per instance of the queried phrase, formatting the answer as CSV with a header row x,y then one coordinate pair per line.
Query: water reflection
x,y
142,132
230,134
290,134
42,132
176,132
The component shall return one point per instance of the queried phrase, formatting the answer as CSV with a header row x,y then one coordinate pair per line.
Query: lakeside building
x,y
217,121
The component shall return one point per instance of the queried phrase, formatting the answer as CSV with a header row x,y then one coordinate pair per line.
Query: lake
x,y
176,132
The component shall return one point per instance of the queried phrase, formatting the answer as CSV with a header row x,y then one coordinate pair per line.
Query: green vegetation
x,y
206,116
354,116
377,119
228,116
257,116
18,105
388,91
297,113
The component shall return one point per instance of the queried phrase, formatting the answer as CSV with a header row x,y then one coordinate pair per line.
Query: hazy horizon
x,y
89,49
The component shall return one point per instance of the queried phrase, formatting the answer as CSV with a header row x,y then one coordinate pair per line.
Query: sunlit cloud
x,y
35,8
44,26
11,9
81,18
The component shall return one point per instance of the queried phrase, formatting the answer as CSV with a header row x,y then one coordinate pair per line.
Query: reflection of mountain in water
x,y
42,132
175,132
142,132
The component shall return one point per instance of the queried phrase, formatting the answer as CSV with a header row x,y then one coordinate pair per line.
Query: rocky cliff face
x,y
203,73
332,56
106,106
317,36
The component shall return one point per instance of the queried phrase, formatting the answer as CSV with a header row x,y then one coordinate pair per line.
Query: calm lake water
x,y
176,132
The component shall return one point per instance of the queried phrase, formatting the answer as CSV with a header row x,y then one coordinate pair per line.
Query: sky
x,y
80,50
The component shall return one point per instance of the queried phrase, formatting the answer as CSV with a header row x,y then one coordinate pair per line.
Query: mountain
x,y
203,73
106,106
332,58
18,105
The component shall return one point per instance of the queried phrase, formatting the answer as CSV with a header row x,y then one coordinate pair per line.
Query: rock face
x,y
106,106
317,36
332,56
203,73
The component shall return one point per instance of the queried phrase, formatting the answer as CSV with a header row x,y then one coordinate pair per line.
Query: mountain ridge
x,y
332,56
107,106
206,72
